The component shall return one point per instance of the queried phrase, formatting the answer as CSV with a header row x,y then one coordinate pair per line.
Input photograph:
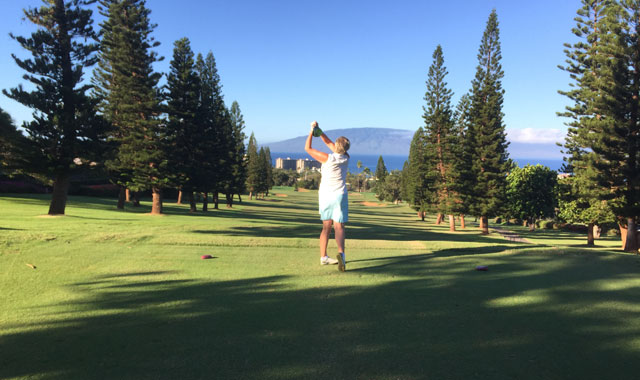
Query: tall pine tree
x,y
441,139
237,181
416,183
381,170
254,167
268,165
603,140
486,137
130,98
184,132
216,129
464,160
583,57
263,173
62,129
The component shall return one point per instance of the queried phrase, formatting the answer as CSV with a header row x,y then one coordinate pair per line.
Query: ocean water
x,y
551,163
396,162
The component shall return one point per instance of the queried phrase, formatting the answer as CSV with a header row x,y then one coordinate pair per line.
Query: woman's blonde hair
x,y
342,145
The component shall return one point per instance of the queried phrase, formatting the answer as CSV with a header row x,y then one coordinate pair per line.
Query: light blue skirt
x,y
334,206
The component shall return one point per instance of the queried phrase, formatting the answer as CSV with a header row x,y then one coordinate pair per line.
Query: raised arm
x,y
325,138
329,143
316,154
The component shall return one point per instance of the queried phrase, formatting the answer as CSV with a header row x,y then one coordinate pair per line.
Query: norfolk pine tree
x,y
183,135
381,170
263,176
618,166
381,173
62,129
416,183
603,138
269,169
253,167
441,139
465,181
131,101
237,181
583,192
216,129
486,137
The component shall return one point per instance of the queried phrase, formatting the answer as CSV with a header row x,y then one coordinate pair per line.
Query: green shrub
x,y
545,224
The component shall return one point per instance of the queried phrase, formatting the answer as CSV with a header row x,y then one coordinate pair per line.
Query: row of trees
x,y
458,162
603,140
147,137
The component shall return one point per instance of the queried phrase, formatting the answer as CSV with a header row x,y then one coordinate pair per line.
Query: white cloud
x,y
535,135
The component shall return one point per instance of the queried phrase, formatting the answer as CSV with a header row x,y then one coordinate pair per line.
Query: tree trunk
x,y
179,197
439,219
192,201
215,199
127,195
250,195
462,225
229,197
156,205
421,214
484,222
205,201
239,198
630,238
452,223
121,198
59,195
532,224
136,199
590,239
481,223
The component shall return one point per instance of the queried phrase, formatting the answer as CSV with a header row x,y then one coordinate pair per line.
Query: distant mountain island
x,y
383,141
396,142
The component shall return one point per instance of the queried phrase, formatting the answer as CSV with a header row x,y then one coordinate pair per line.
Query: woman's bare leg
x,y
324,236
338,228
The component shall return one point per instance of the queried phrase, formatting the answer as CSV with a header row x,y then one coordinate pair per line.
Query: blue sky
x,y
351,64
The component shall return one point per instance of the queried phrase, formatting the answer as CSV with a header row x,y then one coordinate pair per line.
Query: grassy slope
x,y
126,295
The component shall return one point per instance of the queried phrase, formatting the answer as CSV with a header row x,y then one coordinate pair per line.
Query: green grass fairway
x,y
125,295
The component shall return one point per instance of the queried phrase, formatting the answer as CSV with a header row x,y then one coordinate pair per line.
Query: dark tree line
x,y
146,137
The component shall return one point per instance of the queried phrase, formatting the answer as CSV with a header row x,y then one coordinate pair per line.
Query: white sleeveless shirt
x,y
334,174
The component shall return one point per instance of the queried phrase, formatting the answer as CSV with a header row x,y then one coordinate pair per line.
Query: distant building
x,y
298,165
286,163
307,164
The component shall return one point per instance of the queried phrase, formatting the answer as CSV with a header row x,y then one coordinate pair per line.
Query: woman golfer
x,y
332,195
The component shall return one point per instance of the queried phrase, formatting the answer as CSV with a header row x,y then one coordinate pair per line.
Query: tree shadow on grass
x,y
416,264
370,228
516,321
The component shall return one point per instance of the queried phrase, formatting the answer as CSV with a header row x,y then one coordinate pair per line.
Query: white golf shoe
x,y
326,260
